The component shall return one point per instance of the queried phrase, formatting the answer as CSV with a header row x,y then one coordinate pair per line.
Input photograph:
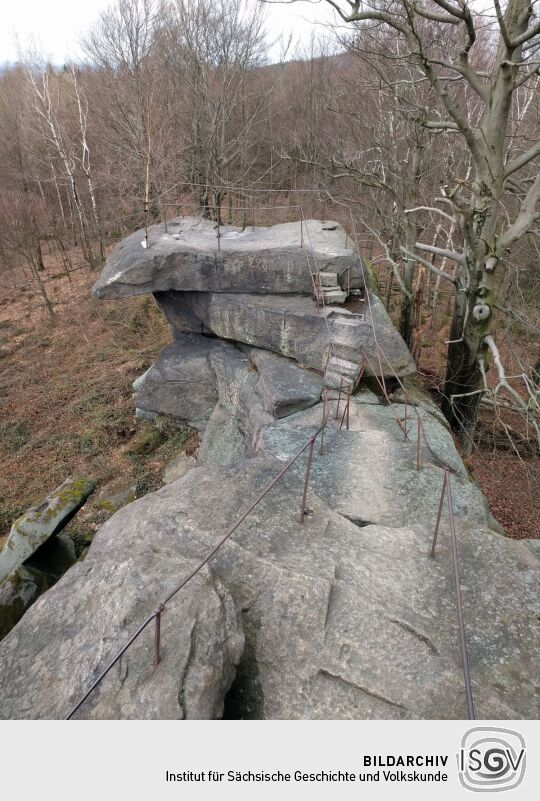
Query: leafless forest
x,y
416,125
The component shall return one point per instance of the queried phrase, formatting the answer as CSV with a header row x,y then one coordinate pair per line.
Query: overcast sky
x,y
56,25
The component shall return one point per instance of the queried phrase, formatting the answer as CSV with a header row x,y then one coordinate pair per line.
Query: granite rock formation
x,y
344,616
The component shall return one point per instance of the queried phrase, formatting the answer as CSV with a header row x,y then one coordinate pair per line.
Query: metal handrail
x,y
156,614
446,489
445,493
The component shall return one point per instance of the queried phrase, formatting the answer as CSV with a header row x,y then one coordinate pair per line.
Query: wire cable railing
x,y
346,389
156,614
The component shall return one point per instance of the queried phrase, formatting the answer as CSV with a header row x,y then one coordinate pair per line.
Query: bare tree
x,y
22,219
212,52
51,126
443,42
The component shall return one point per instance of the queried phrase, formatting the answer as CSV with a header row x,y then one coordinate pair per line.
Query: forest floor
x,y
66,397
66,405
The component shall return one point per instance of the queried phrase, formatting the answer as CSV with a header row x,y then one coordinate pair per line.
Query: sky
x,y
55,26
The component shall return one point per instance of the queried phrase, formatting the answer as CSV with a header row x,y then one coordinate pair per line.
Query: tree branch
x,y
448,254
430,208
528,214
522,160
428,264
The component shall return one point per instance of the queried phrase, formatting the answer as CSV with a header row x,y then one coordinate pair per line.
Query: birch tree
x,y
51,126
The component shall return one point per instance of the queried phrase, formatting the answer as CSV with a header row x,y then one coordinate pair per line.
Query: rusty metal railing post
x,y
439,513
345,415
405,421
157,635
339,399
316,280
324,419
306,480
218,237
301,233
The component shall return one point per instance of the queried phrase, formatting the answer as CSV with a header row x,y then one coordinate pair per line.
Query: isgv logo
x,y
491,759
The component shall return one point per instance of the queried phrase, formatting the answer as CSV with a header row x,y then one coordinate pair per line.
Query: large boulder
x,y
181,383
42,521
284,386
257,260
341,621
18,592
344,617
71,633
291,326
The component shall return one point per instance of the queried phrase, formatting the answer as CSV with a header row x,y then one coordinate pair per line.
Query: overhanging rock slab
x,y
276,259
43,521
290,326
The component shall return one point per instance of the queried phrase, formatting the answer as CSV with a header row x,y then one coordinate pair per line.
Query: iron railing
x,y
345,390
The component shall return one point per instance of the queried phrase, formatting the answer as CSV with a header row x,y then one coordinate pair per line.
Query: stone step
x,y
343,366
328,279
334,380
347,352
331,296
354,323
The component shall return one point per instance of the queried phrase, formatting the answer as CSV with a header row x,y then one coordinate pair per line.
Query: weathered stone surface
x,y
266,259
178,467
285,387
182,382
254,387
382,486
239,393
223,442
341,621
111,502
17,593
290,326
83,620
42,521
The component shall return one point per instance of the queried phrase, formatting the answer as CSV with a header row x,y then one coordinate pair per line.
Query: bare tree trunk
x,y
41,286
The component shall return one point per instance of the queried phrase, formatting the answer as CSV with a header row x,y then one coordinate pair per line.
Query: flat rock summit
x,y
345,616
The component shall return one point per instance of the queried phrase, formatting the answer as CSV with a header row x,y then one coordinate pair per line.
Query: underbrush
x,y
66,401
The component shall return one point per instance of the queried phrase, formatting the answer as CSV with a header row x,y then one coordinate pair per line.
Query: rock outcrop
x,y
44,666
39,523
34,555
189,257
259,288
344,616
